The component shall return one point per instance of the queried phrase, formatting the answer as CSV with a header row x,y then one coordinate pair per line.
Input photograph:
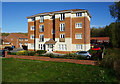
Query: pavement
x,y
16,50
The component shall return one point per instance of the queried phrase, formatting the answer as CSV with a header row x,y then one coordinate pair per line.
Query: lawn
x,y
19,70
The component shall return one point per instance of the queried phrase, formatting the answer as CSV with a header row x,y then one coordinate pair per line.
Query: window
x,y
26,39
25,43
32,45
62,47
32,27
78,25
41,28
32,36
33,19
62,16
78,36
11,39
78,14
62,27
41,46
62,35
79,47
20,39
41,18
41,38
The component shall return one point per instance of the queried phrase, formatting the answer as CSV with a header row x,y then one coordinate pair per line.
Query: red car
x,y
96,48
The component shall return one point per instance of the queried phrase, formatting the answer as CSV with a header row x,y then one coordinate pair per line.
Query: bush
x,y
96,55
11,53
111,61
67,56
28,53
41,51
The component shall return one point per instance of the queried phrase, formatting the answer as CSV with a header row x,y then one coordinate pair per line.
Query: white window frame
x,y
41,46
62,26
32,45
41,37
63,47
26,39
78,36
79,46
79,14
32,28
11,39
41,29
26,43
32,36
62,16
78,25
41,18
20,39
62,35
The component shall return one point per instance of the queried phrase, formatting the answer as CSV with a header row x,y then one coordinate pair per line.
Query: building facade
x,y
60,31
17,40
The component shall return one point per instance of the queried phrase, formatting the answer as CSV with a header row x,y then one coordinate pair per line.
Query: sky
x,y
14,13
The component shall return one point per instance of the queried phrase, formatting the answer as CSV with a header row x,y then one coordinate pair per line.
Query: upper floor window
x,y
33,19
62,27
78,25
78,36
32,27
62,35
20,39
41,38
78,14
32,36
41,18
62,16
41,28
11,39
26,39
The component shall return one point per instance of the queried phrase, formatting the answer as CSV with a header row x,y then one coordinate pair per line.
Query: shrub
x,y
50,55
111,61
11,53
40,51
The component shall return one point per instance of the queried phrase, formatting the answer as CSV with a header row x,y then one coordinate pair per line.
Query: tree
x,y
115,13
115,10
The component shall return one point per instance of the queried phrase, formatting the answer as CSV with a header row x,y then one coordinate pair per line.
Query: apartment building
x,y
63,31
17,40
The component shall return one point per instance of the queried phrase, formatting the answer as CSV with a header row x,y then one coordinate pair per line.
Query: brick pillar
x,y
6,53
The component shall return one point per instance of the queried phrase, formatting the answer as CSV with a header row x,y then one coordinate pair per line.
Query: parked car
x,y
8,48
84,54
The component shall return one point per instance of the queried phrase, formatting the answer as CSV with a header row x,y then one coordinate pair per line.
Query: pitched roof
x,y
19,35
71,10
99,38
4,39
51,41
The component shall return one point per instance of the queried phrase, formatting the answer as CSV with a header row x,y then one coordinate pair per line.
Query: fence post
x,y
6,53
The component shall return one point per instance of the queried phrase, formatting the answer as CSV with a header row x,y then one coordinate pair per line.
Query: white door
x,y
50,47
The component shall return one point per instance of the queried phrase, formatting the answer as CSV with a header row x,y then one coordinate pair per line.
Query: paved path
x,y
86,62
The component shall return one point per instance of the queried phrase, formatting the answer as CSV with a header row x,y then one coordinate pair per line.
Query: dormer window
x,y
78,14
62,16
41,18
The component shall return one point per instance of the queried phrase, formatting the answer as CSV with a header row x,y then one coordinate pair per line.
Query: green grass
x,y
19,70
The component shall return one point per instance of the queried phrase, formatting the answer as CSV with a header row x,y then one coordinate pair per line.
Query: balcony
x,y
61,39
